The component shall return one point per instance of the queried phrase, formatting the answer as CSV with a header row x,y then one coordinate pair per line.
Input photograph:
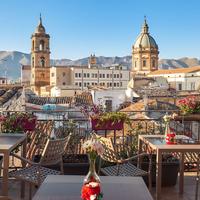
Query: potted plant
x,y
109,121
102,120
18,122
189,109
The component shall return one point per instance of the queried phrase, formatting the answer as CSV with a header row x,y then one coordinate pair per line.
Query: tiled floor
x,y
168,193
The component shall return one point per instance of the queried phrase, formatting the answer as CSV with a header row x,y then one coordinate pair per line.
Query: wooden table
x,y
64,187
8,142
156,143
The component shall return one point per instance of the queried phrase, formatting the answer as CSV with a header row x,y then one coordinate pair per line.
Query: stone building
x,y
144,52
43,78
40,59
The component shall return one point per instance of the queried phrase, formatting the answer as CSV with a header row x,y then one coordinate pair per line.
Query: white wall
x,y
117,97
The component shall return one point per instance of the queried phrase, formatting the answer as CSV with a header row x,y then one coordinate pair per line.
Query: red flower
x,y
90,189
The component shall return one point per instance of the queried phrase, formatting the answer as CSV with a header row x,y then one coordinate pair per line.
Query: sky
x,y
105,27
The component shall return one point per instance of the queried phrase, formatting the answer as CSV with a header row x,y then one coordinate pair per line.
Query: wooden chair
x,y
35,173
37,139
122,167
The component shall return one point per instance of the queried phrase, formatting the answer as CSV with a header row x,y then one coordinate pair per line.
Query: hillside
x,y
10,62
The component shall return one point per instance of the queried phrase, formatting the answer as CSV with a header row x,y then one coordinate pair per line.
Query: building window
x,y
153,64
193,86
88,75
76,84
76,75
64,73
100,75
117,84
180,86
79,84
96,75
85,84
33,62
84,75
64,83
52,74
114,75
41,46
144,63
117,75
103,75
93,75
121,75
79,75
107,75
114,84
33,45
107,84
42,61
110,84
120,84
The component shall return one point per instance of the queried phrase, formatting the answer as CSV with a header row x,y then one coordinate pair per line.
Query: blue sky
x,y
104,27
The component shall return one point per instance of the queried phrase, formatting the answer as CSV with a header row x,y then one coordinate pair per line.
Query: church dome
x,y
40,28
145,40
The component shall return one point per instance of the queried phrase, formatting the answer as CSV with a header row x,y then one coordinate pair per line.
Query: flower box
x,y
188,117
97,124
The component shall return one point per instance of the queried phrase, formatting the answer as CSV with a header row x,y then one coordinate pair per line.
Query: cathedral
x,y
144,52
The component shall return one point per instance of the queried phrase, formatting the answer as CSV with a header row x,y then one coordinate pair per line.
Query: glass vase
x,y
92,175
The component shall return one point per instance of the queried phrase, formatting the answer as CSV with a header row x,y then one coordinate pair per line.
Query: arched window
x,y
144,63
153,64
33,62
41,46
33,45
42,62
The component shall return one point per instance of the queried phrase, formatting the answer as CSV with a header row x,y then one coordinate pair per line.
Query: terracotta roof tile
x,y
174,71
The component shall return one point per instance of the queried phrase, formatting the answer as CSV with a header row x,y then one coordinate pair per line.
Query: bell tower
x,y
40,59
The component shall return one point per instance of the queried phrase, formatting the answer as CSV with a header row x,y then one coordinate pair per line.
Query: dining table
x,y
157,144
68,187
8,142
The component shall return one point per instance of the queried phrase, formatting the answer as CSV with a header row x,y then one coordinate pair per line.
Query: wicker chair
x,y
123,167
35,173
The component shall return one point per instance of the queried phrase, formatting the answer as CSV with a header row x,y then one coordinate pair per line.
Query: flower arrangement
x,y
169,132
91,188
189,105
18,122
92,110
109,121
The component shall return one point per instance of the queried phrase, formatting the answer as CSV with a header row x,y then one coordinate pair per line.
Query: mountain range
x,y
10,62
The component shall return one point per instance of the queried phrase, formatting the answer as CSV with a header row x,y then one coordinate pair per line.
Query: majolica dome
x,y
40,28
145,40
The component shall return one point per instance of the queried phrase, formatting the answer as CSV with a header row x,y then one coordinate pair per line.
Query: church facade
x,y
144,52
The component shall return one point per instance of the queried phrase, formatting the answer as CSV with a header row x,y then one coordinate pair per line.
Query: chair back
x,y
109,151
54,150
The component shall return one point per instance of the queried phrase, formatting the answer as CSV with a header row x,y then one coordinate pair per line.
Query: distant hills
x,y
10,62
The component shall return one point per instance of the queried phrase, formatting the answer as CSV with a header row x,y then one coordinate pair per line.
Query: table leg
x,y
5,174
181,175
158,174
23,154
